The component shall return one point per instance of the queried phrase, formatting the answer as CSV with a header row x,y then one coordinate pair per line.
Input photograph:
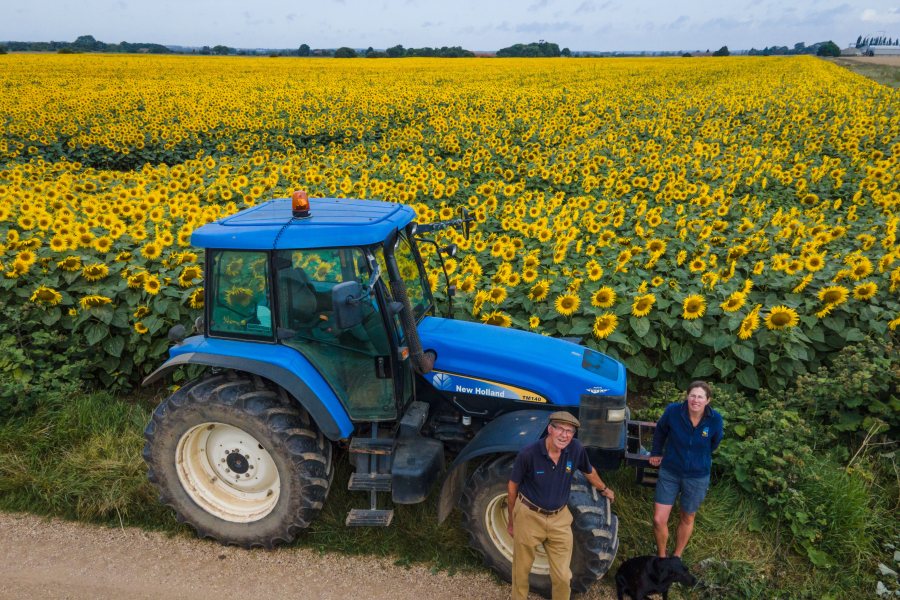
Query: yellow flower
x,y
734,302
782,317
95,271
70,263
141,312
604,297
496,318
534,321
188,275
594,270
195,300
239,296
694,306
567,304
604,325
834,295
152,284
642,305
94,301
865,291
497,295
814,262
46,296
894,323
540,290
750,323
140,328
151,251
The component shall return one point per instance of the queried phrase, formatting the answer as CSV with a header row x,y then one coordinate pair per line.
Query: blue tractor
x,y
320,332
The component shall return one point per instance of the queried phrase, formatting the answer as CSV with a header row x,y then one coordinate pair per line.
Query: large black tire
x,y
485,516
238,461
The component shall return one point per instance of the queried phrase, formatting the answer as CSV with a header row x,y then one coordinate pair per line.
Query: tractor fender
x,y
508,433
282,365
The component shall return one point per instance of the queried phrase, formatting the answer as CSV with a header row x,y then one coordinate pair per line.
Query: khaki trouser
x,y
531,528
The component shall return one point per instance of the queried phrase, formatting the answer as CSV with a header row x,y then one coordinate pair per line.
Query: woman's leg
x,y
661,514
685,529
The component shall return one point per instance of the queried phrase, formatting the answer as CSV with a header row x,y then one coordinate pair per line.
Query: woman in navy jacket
x,y
685,437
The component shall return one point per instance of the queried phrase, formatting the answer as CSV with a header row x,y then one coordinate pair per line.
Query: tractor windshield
x,y
417,287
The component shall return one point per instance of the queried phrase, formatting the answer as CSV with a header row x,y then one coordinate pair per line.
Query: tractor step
x,y
369,482
361,445
362,517
647,477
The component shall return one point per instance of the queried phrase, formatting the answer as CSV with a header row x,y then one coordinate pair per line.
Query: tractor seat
x,y
298,299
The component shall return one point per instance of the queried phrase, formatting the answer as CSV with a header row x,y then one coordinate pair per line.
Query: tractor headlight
x,y
615,415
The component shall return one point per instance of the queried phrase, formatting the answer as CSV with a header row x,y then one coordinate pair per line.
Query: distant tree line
x,y
828,48
862,42
86,43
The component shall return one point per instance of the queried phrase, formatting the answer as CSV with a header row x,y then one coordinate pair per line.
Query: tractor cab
x,y
319,280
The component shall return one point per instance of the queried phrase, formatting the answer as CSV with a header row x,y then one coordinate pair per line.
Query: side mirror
x,y
345,299
449,250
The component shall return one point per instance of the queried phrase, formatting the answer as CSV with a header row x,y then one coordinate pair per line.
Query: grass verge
x,y
885,74
79,457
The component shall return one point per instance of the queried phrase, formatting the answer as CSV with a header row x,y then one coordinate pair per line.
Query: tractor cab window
x,y
240,306
417,288
346,357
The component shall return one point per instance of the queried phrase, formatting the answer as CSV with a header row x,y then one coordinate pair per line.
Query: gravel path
x,y
59,559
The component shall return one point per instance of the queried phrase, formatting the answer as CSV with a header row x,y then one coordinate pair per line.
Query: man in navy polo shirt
x,y
538,493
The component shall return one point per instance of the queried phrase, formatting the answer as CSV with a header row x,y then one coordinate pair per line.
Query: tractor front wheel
x,y
485,517
237,460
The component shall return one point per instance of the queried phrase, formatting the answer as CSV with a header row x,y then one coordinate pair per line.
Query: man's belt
x,y
537,508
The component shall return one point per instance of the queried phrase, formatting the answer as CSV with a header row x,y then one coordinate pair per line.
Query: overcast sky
x,y
472,24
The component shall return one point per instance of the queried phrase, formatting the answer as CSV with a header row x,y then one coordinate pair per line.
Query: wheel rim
x,y
496,521
227,472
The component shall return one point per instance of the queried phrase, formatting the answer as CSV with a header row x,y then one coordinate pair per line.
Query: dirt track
x,y
59,559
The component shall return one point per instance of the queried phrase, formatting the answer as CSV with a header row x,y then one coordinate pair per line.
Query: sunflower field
x,y
733,219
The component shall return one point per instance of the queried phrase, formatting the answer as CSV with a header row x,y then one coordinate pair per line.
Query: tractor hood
x,y
506,363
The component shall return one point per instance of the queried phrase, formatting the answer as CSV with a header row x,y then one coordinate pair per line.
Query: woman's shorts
x,y
692,490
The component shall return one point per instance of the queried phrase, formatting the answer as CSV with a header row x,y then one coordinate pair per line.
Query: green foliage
x,y
345,52
854,392
723,51
829,48
532,50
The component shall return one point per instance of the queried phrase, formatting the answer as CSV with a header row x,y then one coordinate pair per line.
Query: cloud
x,y
538,5
588,6
679,23
891,15
535,27
290,17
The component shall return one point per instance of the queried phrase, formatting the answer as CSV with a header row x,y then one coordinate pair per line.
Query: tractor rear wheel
x,y
237,460
485,517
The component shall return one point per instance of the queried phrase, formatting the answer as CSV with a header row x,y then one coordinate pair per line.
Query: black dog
x,y
643,575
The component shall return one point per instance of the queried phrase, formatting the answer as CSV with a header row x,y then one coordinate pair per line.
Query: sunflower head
x,y
865,291
46,296
734,302
567,304
540,290
604,325
642,305
782,317
834,294
604,297
496,318
694,306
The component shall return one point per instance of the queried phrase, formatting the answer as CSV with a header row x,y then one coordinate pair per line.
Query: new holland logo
x,y
442,381
597,390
